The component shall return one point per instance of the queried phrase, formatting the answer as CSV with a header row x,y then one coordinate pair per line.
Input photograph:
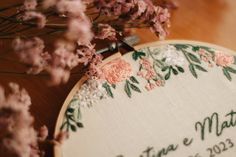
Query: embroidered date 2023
x,y
210,125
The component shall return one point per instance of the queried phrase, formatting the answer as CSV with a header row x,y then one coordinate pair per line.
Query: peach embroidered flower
x,y
160,83
206,57
145,63
150,86
223,60
147,70
116,71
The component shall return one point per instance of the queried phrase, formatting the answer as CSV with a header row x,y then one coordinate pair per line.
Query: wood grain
x,y
210,21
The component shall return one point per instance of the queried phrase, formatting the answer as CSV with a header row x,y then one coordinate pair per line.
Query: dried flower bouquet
x,y
77,23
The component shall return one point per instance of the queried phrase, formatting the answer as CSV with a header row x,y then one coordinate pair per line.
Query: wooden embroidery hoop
x,y
57,148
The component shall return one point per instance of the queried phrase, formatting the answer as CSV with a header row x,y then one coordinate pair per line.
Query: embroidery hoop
x,y
57,149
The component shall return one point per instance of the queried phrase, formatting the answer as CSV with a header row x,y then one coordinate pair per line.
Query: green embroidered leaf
x,y
73,128
195,48
175,72
234,59
141,54
137,54
193,58
108,89
163,59
165,68
180,46
70,110
134,80
167,76
200,68
192,70
113,86
135,88
227,74
127,89
80,125
229,69
71,118
180,69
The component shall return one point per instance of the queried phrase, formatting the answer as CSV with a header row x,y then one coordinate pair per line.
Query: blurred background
x,y
210,21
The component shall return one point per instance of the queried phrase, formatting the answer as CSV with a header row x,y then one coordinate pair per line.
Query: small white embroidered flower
x,y
91,92
172,56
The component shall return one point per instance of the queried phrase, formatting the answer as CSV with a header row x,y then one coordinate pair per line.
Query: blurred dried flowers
x,y
18,138
78,23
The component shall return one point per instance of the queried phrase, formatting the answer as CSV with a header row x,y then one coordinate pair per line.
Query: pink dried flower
x,y
224,60
86,53
143,11
19,96
30,4
75,8
31,15
64,56
105,31
43,133
116,71
58,75
79,29
95,70
97,59
17,135
159,21
31,52
49,3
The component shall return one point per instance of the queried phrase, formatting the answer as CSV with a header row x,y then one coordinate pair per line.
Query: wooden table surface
x,y
212,21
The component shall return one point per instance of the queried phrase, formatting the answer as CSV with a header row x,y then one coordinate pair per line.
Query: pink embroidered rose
x,y
223,60
116,71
